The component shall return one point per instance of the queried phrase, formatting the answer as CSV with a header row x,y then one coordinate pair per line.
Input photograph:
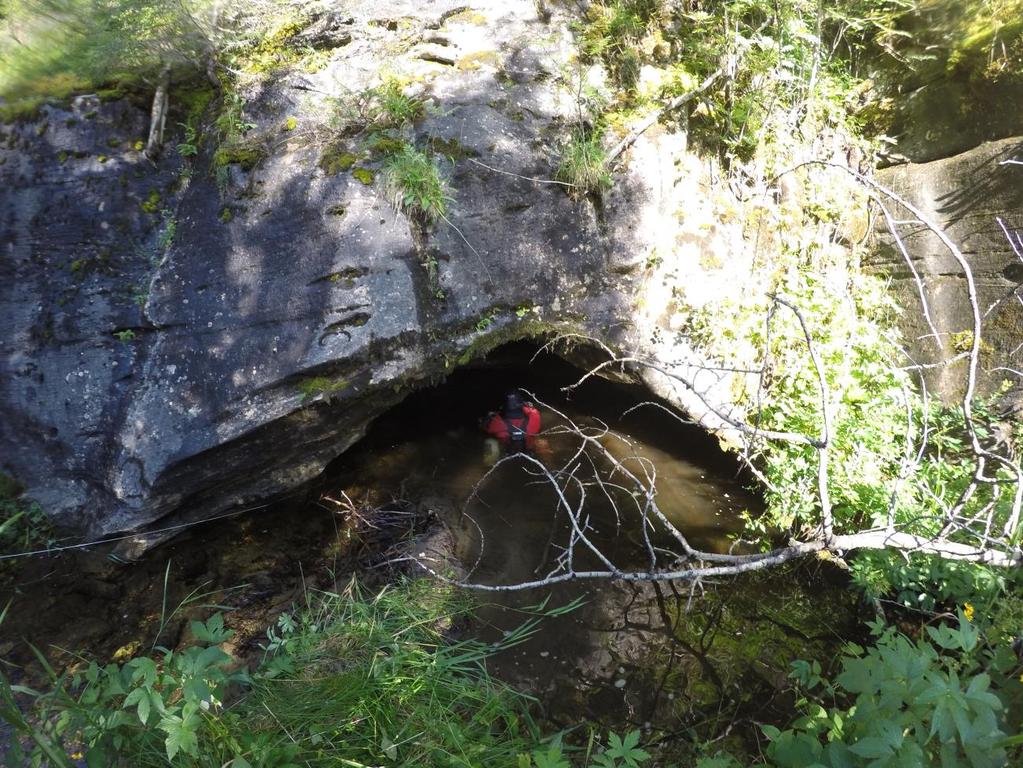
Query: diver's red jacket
x,y
498,427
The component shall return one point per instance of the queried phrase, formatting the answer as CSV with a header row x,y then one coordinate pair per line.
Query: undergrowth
x,y
350,679
23,524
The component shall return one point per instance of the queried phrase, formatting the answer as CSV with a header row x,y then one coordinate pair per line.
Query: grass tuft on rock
x,y
584,164
414,184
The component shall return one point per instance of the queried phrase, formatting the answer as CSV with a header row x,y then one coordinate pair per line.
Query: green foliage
x,y
791,50
147,708
234,148
23,109
384,108
126,335
485,321
927,702
612,33
928,582
392,108
274,49
414,184
936,701
189,146
350,679
152,202
619,752
65,46
584,165
23,524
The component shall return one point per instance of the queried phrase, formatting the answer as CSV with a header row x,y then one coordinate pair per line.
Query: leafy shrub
x,y
931,702
88,42
147,711
927,582
612,33
349,680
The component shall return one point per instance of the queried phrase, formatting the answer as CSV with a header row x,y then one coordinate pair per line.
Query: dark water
x,y
677,661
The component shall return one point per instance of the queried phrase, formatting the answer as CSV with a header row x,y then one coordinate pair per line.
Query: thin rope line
x,y
83,545
520,176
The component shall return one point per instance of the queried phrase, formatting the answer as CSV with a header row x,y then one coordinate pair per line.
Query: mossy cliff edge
x,y
211,329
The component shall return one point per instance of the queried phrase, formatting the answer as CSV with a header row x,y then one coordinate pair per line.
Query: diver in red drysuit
x,y
516,426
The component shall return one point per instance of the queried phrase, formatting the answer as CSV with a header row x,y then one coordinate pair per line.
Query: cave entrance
x,y
430,450
656,653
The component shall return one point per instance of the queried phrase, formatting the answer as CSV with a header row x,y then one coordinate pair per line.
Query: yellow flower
x,y
77,755
968,611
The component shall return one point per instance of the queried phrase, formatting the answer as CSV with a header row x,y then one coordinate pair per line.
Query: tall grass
x,y
414,184
349,680
376,680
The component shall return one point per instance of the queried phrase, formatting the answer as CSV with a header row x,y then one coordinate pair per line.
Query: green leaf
x,y
552,758
139,698
210,657
180,735
96,757
871,746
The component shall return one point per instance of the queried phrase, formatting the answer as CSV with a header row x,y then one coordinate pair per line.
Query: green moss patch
x,y
245,154
336,160
152,202
386,145
466,16
452,149
365,175
22,110
473,61
320,385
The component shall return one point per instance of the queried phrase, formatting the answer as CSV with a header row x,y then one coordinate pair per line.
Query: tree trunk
x,y
158,115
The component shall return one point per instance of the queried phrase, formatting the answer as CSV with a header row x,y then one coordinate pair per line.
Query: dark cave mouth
x,y
472,390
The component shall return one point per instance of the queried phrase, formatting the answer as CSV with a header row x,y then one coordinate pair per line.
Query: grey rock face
x,y
162,357
966,196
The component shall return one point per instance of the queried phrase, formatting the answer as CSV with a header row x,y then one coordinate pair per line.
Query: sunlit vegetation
x,y
348,679
414,184
359,679
583,164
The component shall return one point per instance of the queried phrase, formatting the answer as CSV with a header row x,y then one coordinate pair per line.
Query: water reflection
x,y
663,656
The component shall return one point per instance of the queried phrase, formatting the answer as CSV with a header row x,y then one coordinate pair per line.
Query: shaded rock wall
x,y
966,195
175,346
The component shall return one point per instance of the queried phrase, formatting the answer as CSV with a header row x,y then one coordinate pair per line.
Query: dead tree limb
x,y
158,115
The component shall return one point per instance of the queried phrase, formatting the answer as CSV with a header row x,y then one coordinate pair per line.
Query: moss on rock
x,y
335,160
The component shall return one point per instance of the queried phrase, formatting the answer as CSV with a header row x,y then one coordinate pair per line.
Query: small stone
x,y
620,683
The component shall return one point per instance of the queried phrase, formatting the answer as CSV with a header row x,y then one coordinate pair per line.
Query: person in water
x,y
515,427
